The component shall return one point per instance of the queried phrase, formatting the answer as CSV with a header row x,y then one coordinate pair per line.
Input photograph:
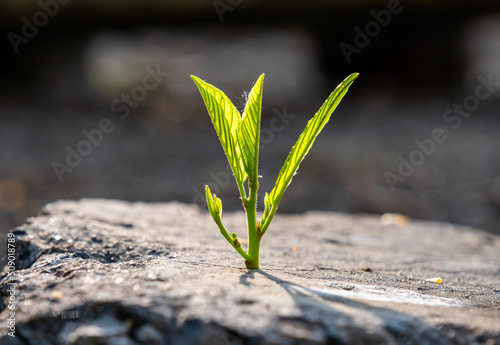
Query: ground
x,y
111,272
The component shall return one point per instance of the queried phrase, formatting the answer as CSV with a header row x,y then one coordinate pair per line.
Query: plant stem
x,y
235,244
241,188
254,235
269,219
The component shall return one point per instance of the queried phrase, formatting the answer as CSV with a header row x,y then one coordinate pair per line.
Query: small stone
x,y
57,295
104,328
436,280
394,219
148,334
348,287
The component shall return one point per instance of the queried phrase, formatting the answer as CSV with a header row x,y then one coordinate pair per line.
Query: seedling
x,y
239,135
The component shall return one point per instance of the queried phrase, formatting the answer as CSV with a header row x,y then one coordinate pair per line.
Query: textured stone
x,y
112,272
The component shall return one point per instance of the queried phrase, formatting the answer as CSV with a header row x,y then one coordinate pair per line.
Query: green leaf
x,y
306,140
226,120
214,204
249,130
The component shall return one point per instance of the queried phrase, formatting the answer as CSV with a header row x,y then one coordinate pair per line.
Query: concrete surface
x,y
111,272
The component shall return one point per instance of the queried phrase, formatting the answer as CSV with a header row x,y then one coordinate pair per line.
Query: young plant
x,y
239,135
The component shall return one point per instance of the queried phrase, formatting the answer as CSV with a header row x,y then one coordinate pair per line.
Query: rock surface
x,y
111,272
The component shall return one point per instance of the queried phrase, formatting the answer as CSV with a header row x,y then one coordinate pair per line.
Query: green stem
x,y
269,218
254,235
241,188
232,241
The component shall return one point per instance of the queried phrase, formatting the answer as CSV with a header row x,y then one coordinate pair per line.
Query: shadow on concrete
x,y
392,326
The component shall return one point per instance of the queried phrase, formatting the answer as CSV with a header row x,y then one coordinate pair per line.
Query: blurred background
x,y
96,101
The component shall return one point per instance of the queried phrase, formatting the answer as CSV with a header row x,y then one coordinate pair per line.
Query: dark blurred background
x,y
117,72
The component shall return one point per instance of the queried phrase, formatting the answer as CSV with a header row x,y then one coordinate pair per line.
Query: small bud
x,y
236,243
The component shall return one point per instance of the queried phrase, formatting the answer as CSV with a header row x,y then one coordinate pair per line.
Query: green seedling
x,y
239,135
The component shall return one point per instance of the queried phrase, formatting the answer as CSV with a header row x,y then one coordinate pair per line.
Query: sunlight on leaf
x,y
240,136
249,131
226,120
306,140
214,204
